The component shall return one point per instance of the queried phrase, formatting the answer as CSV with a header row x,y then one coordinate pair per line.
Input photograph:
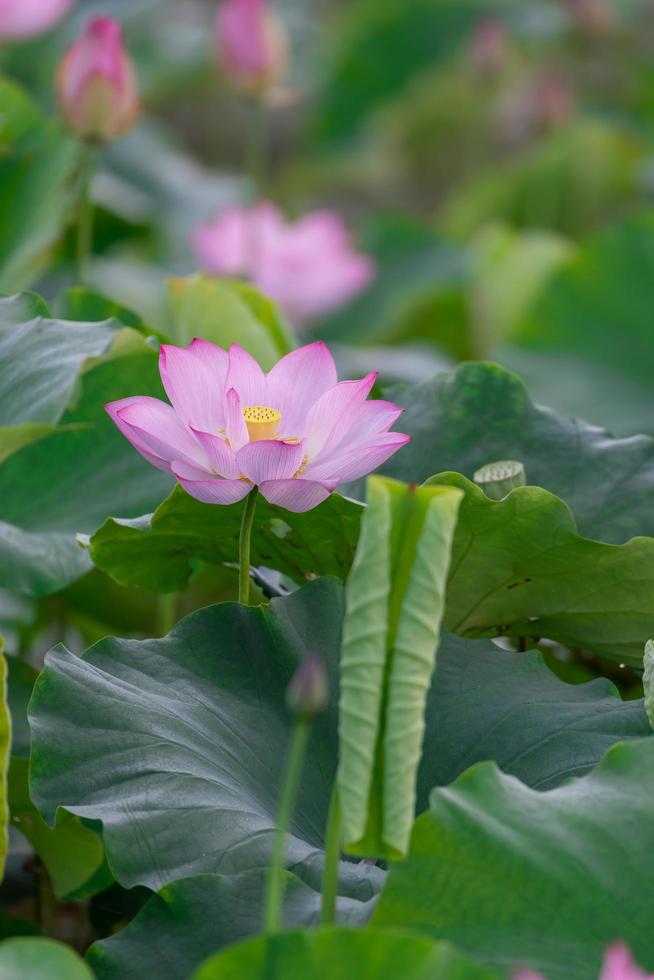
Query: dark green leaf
x,y
489,703
548,880
191,918
71,481
482,413
177,745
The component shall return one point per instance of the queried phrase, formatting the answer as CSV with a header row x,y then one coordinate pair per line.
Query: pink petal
x,y
334,414
236,430
270,459
246,377
194,379
155,431
221,457
619,964
297,381
295,495
23,18
358,460
214,491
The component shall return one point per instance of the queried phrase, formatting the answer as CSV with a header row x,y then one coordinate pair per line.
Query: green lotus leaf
x,y
156,553
191,918
177,745
40,959
334,953
482,413
546,880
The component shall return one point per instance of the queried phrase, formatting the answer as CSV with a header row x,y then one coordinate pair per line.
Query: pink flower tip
x,y
252,44
21,19
96,83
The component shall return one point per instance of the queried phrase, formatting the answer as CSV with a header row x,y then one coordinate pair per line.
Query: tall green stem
x,y
166,613
244,547
85,213
294,765
332,857
256,151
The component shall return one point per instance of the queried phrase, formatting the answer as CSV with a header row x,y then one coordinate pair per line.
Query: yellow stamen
x,y
261,421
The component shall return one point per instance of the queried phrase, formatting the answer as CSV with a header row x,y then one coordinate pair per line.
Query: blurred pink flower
x,y
618,964
25,18
253,46
295,432
309,267
97,85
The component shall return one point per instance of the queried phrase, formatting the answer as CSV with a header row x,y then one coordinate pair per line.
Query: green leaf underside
x,y
181,741
519,568
517,877
480,413
335,953
191,918
40,959
224,311
394,603
72,853
156,554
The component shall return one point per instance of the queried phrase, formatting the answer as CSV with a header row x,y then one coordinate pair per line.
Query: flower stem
x,y
244,546
85,213
256,151
166,612
332,856
294,765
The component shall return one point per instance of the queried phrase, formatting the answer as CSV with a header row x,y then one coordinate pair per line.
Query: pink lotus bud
x,y
308,691
97,83
25,18
253,46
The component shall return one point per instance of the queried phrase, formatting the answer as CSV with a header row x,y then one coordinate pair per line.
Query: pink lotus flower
x,y
253,46
618,964
295,432
26,18
96,81
309,267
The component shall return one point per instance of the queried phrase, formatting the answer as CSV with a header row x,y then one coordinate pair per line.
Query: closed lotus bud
x,y
253,46
308,692
97,85
25,18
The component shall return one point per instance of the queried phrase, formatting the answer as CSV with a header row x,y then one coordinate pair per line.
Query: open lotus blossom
x,y
296,432
618,964
309,267
26,18
253,46
96,82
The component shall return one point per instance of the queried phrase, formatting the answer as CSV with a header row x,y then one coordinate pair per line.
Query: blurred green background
x,y
494,156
